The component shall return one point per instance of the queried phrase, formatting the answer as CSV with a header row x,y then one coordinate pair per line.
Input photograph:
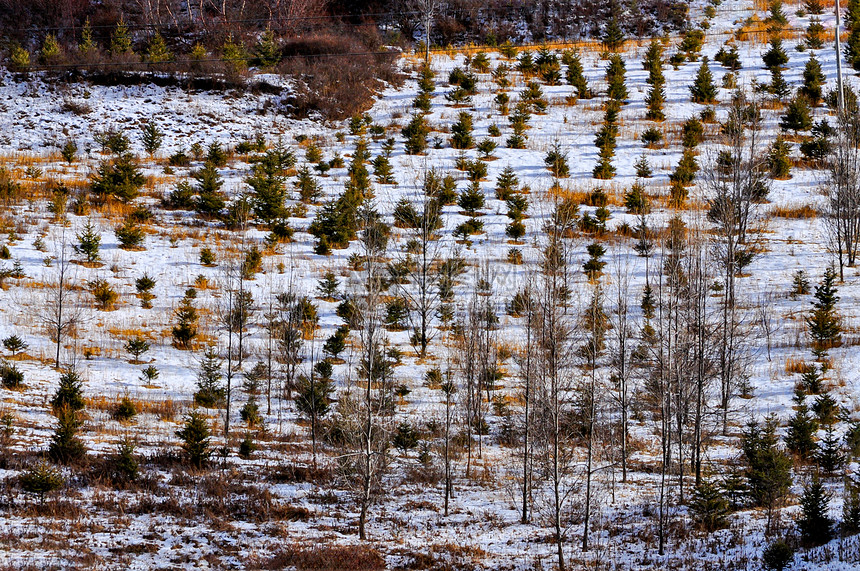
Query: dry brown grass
x,y
798,211
795,365
165,409
322,558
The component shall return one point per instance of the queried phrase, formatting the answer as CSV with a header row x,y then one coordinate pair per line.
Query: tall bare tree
x,y
370,438
594,324
733,184
842,190
234,311
524,359
621,350
467,347
59,313
420,286
555,359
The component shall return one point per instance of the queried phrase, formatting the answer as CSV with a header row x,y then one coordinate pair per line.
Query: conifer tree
x,y
335,344
19,58
156,51
816,526
210,392
643,167
605,141
87,45
120,40
416,135
118,179
778,85
234,56
824,324
852,48
556,161
308,186
703,89
88,242
777,19
813,81
800,437
382,169
811,379
210,200
814,36
462,131
851,507
68,394
124,465
613,37
777,555
266,51
826,409
775,56
798,116
185,330
709,507
657,94
593,267
50,49
195,436
66,446
814,7
151,136
830,457
616,89
768,472
41,479
576,77
653,56
774,60
852,14
778,161
507,183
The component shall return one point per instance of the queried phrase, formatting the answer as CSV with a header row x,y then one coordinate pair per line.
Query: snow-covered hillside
x,y
294,501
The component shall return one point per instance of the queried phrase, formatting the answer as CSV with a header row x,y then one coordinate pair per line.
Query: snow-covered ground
x,y
173,520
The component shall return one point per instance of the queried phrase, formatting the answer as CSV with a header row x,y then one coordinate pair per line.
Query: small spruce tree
x,y
462,131
613,37
798,116
88,242
210,392
851,507
156,51
41,480
813,80
824,323
66,446
800,437
120,40
195,436
69,393
616,89
576,77
815,525
778,161
151,136
703,89
709,507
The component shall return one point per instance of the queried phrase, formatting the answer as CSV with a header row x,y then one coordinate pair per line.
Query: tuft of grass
x,y
798,211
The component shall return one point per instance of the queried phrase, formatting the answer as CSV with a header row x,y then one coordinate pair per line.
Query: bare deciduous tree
x,y
368,433
842,190
733,184
60,313
555,359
